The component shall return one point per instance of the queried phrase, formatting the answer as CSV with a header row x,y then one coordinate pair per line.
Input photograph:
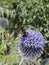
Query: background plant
x,y
22,14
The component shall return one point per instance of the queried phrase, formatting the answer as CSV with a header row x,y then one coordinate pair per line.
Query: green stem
x,y
2,36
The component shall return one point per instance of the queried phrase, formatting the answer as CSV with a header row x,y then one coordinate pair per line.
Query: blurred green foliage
x,y
22,14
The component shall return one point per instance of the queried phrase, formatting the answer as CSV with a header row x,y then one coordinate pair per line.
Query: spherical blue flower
x,y
4,23
32,45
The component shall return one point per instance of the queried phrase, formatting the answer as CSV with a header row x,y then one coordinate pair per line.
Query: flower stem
x,y
2,35
21,61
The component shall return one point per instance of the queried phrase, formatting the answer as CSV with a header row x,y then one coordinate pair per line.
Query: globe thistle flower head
x,y
4,23
32,45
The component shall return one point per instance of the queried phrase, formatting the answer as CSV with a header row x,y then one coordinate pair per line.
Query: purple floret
x,y
32,45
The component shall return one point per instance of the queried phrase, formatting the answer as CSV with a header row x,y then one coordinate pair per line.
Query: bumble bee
x,y
23,34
